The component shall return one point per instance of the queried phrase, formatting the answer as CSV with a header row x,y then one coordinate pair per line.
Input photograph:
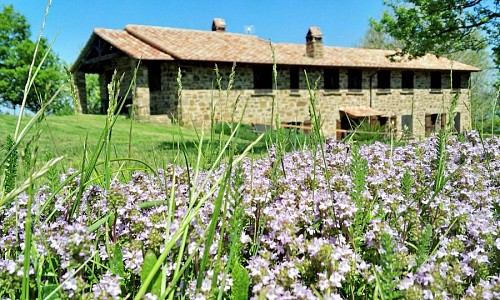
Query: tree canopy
x,y
374,39
16,55
443,26
463,30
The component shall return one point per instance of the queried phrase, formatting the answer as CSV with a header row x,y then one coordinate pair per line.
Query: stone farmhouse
x,y
353,84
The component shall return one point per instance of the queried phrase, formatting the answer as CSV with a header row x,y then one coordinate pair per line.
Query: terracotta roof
x,y
163,43
204,45
131,45
362,57
362,111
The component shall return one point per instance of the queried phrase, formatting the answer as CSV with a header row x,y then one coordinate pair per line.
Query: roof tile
x,y
131,45
163,43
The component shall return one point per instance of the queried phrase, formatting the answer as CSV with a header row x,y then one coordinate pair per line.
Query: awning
x,y
361,112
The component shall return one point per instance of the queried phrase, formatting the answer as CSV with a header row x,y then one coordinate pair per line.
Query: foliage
x,y
484,85
443,26
403,247
94,103
291,139
327,221
388,278
245,132
16,54
10,165
374,39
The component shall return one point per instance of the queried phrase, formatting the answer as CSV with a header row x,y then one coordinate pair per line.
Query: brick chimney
x,y
219,25
314,43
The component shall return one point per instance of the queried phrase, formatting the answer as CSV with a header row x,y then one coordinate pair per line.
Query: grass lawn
x,y
154,144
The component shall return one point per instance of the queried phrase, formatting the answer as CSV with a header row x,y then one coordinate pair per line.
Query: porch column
x,y
81,92
142,94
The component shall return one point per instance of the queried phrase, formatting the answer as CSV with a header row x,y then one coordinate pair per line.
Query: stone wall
x,y
200,91
81,92
293,106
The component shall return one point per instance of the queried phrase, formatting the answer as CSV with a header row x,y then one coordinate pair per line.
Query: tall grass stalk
x,y
53,293
195,203
273,97
24,131
494,112
212,225
318,140
193,211
31,77
18,136
443,137
28,226
239,274
213,110
104,141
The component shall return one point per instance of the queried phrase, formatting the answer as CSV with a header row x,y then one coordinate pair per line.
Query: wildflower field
x,y
341,221
312,218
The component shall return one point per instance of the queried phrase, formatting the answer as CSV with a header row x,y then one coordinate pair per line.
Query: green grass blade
x,y
213,224
147,268
25,185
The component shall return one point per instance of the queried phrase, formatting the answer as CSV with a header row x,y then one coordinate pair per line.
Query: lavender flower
x,y
108,287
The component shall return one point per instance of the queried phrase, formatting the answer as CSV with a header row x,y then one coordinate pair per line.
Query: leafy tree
x,y
16,55
458,29
443,26
94,105
374,39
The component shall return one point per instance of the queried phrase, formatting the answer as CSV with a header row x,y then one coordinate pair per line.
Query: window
x,y
154,77
456,80
407,80
434,122
457,122
435,80
332,79
465,80
384,79
263,77
294,79
407,124
354,79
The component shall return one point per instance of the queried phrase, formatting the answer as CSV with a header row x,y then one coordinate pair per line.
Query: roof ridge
x,y
137,35
166,43
337,47
196,30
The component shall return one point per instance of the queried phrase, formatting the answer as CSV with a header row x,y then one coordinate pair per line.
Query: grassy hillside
x,y
154,144
66,135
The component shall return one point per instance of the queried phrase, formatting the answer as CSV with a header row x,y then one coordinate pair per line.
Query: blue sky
x,y
343,22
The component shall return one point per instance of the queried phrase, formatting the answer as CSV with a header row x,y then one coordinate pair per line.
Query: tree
x,y
443,26
16,54
459,29
482,84
94,103
374,39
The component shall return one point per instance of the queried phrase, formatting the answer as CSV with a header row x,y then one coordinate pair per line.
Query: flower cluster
x,y
420,221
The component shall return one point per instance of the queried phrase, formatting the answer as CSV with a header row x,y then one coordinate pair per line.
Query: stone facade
x,y
157,98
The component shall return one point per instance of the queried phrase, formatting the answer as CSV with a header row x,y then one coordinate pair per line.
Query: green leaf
x,y
47,289
241,282
424,246
117,261
100,222
149,261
